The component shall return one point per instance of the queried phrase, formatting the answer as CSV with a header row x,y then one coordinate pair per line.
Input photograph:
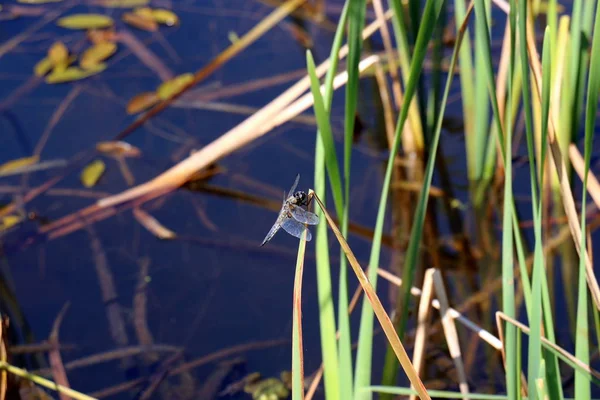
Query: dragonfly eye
x,y
300,197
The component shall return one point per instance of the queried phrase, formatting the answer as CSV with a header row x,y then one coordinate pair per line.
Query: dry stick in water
x,y
112,355
382,317
58,369
194,364
114,313
144,54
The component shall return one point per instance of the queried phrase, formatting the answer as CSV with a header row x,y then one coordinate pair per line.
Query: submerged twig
x,y
114,313
56,363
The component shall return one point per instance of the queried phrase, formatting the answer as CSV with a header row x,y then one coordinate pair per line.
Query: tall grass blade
x,y
411,257
365,339
331,358
508,289
377,307
582,387
356,23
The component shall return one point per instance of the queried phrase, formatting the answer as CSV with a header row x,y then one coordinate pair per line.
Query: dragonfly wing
x,y
273,229
295,228
291,192
306,217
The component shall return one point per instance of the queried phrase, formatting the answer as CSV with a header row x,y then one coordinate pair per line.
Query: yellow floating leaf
x,y
118,149
58,53
96,54
173,86
124,3
74,74
42,67
38,1
150,223
145,12
165,17
92,173
19,163
85,21
142,102
9,221
140,22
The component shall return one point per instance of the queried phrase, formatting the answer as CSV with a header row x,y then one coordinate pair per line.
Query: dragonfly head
x,y
300,198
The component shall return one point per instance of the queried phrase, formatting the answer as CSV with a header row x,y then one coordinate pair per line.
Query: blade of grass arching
x,y
508,290
410,261
322,116
297,347
356,23
377,307
365,339
582,387
326,312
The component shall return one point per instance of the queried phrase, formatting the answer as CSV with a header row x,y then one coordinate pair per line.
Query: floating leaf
x,y
38,1
85,21
140,22
74,74
165,17
124,3
144,12
42,67
173,86
58,55
18,163
142,102
9,221
92,173
150,223
96,54
118,149
97,36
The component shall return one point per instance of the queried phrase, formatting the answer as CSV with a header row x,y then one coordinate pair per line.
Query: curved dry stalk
x,y
561,171
382,317
56,363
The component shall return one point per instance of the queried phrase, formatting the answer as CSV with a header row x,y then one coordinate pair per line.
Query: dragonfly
x,y
293,216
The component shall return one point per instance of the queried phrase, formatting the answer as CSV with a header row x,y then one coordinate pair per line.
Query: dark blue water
x,y
214,287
